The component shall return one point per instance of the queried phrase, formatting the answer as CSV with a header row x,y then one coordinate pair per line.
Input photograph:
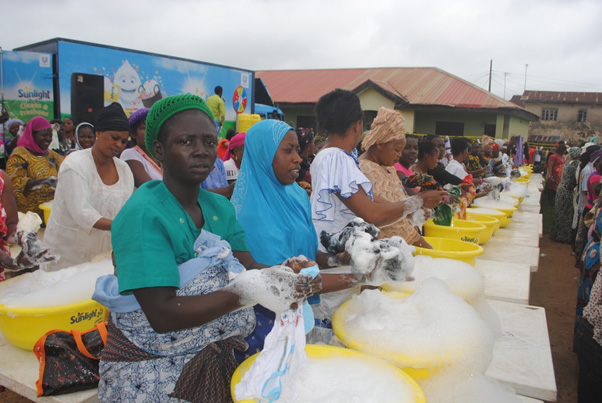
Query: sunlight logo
x,y
29,93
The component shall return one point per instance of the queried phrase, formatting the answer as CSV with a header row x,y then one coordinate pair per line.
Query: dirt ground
x,y
554,287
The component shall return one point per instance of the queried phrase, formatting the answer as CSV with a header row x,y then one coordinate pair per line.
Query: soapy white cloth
x,y
276,366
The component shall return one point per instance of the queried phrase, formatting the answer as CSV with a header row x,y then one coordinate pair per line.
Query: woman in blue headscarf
x,y
275,211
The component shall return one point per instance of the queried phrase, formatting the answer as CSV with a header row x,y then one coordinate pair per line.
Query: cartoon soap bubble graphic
x,y
128,81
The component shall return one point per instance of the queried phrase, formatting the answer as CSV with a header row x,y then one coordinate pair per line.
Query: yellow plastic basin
x,y
452,249
490,224
462,230
412,365
325,352
526,181
486,212
46,207
24,326
505,221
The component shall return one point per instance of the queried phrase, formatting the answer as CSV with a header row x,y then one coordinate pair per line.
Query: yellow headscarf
x,y
388,125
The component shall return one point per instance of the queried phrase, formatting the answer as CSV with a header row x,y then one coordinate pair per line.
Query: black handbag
x,y
69,360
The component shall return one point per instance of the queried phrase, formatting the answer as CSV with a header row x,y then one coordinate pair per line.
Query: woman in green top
x,y
174,326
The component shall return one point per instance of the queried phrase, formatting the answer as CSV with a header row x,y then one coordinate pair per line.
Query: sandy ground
x,y
553,286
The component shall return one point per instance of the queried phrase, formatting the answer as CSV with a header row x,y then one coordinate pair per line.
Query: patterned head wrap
x,y
495,147
112,118
575,152
388,125
26,140
166,108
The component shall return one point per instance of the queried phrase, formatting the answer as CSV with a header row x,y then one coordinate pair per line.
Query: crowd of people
x,y
183,212
572,185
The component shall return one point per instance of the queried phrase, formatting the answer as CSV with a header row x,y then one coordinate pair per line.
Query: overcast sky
x,y
560,40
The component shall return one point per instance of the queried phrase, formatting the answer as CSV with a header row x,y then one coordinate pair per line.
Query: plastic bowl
x,y
523,180
46,207
505,221
24,326
485,212
462,230
490,224
507,199
463,280
412,365
325,352
452,249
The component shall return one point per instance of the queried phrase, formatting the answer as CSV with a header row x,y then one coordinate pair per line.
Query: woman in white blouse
x,y
341,191
93,185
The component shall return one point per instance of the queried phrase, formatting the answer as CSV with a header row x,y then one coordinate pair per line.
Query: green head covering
x,y
166,108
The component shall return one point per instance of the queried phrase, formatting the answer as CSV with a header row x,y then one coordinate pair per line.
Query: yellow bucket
x,y
325,352
410,365
462,230
24,326
490,224
46,207
523,180
452,249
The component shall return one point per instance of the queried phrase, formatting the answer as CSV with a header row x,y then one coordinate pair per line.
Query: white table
x,y
508,282
522,357
515,233
501,251
524,221
19,371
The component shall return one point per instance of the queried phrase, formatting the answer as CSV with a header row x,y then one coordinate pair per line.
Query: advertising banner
x,y
137,80
28,85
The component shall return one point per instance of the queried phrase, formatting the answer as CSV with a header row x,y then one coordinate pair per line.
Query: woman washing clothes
x,y
175,318
341,192
33,168
408,157
383,145
275,211
143,166
93,186
428,157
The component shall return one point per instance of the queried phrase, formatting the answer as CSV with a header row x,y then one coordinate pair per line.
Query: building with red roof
x,y
431,100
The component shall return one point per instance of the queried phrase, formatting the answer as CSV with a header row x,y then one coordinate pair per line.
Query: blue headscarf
x,y
276,218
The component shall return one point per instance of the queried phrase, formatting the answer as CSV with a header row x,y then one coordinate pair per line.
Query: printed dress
x,y
590,264
22,166
562,229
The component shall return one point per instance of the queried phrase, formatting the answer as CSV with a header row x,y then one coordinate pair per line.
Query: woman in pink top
x,y
408,157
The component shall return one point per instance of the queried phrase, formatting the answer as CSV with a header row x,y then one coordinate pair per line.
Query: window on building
x,y
490,130
449,128
549,114
306,122
582,115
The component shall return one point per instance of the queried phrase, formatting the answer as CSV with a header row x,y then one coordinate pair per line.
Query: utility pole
x,y
526,65
505,74
490,69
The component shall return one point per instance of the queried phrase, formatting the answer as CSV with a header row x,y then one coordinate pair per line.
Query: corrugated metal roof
x,y
562,97
416,85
